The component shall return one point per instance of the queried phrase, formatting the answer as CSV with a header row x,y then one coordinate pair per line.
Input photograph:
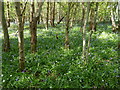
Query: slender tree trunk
x,y
47,19
33,29
92,29
67,46
8,13
1,13
84,31
114,26
34,16
93,15
83,16
91,26
52,13
59,13
5,31
118,28
20,35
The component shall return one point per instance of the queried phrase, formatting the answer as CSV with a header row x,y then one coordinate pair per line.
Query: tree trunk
x,y
47,19
67,46
1,13
92,27
34,17
5,31
114,26
119,28
52,13
84,31
20,35
33,29
59,13
93,16
83,16
8,13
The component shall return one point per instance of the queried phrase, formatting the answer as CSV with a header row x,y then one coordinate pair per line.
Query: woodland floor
x,y
55,67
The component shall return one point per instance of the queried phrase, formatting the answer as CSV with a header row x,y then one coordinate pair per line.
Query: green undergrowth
x,y
55,67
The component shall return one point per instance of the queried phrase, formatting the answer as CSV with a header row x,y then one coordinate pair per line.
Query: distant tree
x,y
52,13
93,15
83,16
92,26
6,44
20,16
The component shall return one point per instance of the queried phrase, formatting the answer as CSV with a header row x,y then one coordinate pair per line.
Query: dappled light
x,y
60,45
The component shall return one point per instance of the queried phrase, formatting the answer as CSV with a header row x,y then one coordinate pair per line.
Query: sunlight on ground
x,y
105,35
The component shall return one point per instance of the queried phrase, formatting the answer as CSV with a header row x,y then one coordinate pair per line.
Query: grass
x,y
55,67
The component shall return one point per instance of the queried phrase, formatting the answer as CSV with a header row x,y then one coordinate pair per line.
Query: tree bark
x,y
47,19
118,28
52,13
67,46
34,17
6,43
8,13
93,15
92,27
114,26
83,16
20,17
84,31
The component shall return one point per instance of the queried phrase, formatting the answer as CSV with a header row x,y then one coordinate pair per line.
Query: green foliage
x,y
54,67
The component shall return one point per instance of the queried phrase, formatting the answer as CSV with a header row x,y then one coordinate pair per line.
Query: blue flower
x,y
16,79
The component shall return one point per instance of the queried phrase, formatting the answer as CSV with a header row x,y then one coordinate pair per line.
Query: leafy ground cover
x,y
55,67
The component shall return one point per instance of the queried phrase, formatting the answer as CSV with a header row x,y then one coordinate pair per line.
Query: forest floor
x,y
55,67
